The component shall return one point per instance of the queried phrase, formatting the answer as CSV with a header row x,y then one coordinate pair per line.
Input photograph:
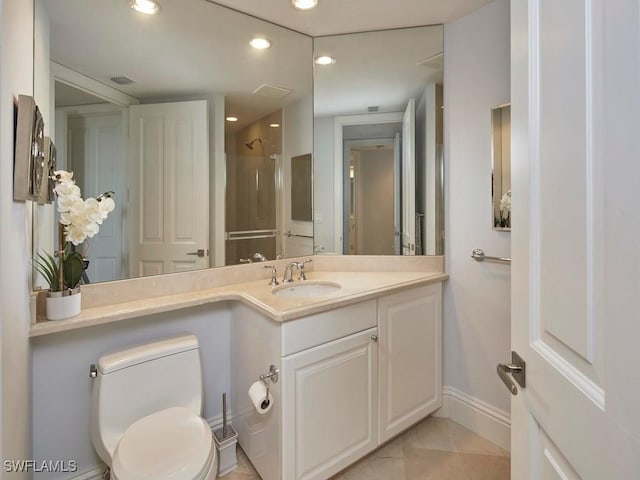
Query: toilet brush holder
x,y
226,440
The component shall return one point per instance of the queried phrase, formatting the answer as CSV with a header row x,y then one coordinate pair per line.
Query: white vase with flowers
x,y
79,219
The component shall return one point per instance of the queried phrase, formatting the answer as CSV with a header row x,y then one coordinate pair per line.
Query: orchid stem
x,y
61,245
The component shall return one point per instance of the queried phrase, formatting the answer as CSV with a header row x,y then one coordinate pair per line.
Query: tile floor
x,y
434,449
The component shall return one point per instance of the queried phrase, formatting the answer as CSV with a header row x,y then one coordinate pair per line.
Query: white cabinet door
x,y
330,406
409,323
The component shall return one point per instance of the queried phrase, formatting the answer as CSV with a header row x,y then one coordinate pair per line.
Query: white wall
x,y
477,296
62,387
323,178
16,70
297,139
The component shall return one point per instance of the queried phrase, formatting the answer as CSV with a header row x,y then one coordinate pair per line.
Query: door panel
x,y
409,179
96,156
170,215
573,420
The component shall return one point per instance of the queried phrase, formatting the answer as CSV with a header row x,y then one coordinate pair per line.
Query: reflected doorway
x,y
373,180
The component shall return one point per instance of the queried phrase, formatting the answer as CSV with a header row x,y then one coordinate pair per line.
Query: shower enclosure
x,y
253,169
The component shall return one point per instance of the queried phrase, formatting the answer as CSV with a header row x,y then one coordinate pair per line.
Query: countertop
x,y
355,287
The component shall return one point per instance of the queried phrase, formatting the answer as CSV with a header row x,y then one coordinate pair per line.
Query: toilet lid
x,y
173,444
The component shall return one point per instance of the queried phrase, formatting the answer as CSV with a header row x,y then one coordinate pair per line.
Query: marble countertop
x,y
355,287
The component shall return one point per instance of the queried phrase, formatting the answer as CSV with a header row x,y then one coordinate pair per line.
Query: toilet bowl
x,y
146,413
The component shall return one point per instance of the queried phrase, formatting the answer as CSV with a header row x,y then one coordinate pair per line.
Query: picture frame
x,y
29,172
45,192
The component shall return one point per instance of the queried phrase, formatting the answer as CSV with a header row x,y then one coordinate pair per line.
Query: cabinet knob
x,y
374,337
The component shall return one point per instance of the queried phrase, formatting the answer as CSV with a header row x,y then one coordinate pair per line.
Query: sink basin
x,y
306,288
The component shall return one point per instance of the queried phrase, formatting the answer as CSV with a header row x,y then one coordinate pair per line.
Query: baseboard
x,y
478,416
97,472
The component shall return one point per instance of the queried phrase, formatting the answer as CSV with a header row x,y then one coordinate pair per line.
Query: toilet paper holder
x,y
272,375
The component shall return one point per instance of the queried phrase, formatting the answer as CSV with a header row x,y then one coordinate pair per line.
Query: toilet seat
x,y
173,444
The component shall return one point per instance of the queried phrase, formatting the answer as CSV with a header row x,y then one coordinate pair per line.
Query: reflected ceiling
x,y
192,47
332,17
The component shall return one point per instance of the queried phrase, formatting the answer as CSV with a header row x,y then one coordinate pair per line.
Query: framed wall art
x,y
30,172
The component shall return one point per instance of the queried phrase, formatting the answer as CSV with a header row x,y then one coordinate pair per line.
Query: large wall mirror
x,y
192,128
378,159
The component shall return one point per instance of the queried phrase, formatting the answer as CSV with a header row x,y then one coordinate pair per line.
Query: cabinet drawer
x,y
307,332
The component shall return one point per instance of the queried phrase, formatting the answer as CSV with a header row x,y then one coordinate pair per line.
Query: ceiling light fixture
x,y
304,4
232,119
274,125
148,7
325,60
260,43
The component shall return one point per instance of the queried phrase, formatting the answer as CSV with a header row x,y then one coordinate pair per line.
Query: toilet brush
x,y
226,439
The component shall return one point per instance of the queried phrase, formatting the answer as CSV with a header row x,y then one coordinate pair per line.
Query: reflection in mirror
x,y
378,158
301,180
501,166
139,107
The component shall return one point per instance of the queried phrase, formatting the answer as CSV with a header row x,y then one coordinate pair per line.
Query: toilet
x,y
146,406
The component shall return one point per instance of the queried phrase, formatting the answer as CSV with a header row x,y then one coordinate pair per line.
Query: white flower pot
x,y
65,304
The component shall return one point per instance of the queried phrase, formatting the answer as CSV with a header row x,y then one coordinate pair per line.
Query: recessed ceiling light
x,y
232,119
148,7
260,43
325,60
274,125
304,4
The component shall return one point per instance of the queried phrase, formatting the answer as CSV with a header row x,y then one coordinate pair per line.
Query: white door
x,y
96,156
397,229
575,238
409,179
409,325
330,393
169,188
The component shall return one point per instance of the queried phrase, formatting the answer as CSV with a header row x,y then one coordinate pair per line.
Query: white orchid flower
x,y
62,175
505,202
81,218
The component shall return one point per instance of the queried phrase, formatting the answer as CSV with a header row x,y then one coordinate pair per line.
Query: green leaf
x,y
47,266
73,268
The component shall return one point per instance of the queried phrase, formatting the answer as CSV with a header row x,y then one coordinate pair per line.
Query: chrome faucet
x,y
288,272
258,257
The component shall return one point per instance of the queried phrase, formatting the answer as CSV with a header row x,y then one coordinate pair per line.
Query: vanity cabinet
x,y
330,406
351,378
409,324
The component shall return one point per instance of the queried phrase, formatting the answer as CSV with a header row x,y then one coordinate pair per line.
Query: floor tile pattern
x,y
434,449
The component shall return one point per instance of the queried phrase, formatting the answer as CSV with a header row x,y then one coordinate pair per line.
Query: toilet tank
x,y
142,380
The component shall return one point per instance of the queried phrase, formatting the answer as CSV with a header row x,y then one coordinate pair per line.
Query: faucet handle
x,y
302,275
274,272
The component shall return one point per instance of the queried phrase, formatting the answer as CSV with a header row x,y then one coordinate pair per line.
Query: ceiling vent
x,y
373,109
121,80
271,92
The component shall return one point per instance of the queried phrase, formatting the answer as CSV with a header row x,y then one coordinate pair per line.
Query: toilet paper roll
x,y
258,396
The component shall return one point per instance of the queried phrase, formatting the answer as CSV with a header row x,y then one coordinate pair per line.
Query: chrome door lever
x,y
201,252
516,369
